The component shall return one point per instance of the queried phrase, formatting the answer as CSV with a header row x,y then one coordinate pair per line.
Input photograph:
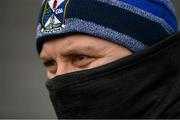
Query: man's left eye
x,y
82,57
81,60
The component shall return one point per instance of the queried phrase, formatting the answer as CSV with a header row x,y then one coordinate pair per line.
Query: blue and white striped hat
x,y
135,24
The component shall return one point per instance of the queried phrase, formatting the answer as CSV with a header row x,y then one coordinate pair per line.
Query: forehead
x,y
74,42
79,40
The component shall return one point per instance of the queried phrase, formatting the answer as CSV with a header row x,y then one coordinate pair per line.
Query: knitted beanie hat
x,y
134,24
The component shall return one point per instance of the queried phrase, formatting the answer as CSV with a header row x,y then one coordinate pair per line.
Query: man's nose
x,y
62,68
65,67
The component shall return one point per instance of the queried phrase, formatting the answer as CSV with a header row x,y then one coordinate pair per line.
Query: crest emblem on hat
x,y
53,15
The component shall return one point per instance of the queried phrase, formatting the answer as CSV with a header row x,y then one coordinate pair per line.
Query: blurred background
x,y
23,94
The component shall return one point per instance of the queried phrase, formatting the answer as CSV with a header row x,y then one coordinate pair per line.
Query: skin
x,y
78,52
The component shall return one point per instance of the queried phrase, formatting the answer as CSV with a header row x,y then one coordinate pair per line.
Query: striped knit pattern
x,y
135,24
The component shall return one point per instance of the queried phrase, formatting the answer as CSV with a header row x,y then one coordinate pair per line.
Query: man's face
x,y
78,52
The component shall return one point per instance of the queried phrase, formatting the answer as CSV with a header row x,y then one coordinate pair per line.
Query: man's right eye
x,y
51,66
49,63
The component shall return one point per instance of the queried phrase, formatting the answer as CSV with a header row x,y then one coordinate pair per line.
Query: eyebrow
x,y
44,57
75,49
78,50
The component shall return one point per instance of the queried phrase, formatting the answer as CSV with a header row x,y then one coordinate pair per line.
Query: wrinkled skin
x,y
79,52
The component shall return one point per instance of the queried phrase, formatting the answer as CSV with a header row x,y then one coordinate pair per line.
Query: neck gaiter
x,y
144,85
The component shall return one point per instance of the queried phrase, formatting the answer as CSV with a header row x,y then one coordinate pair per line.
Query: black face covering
x,y
144,85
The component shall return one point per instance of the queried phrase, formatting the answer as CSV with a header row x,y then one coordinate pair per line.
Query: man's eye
x,y
81,57
51,66
49,63
81,60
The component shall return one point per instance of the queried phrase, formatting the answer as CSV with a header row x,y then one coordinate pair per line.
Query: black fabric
x,y
143,85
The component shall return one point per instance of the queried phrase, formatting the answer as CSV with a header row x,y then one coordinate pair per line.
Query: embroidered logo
x,y
53,16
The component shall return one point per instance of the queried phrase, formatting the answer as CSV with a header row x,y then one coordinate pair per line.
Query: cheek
x,y
50,75
106,60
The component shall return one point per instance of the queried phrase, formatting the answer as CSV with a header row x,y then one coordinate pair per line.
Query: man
x,y
111,58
